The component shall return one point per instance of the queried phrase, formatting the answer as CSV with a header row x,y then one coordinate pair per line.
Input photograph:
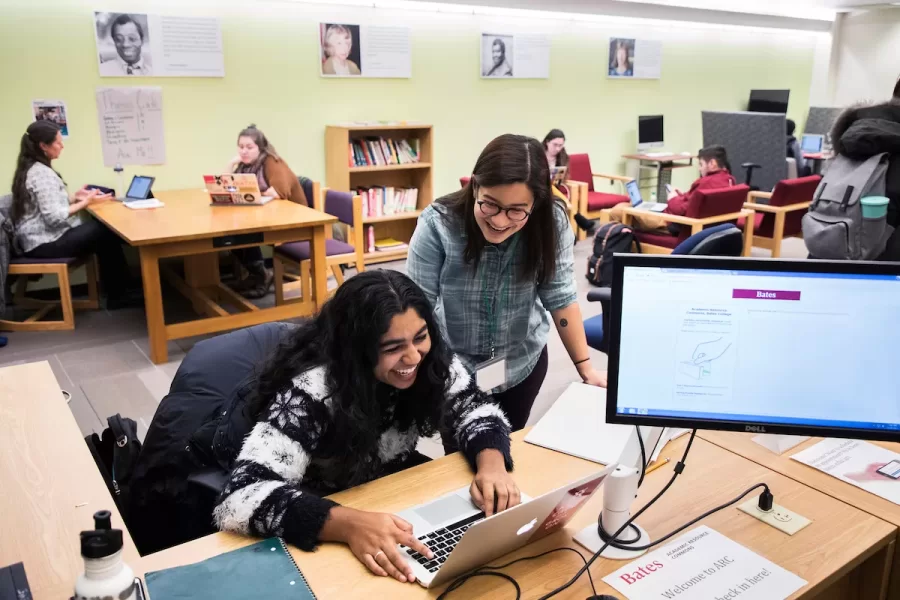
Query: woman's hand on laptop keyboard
x,y
373,539
493,485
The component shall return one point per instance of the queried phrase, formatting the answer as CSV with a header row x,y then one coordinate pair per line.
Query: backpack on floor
x,y
116,453
609,239
834,228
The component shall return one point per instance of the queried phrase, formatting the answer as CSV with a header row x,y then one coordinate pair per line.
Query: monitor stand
x,y
779,444
619,492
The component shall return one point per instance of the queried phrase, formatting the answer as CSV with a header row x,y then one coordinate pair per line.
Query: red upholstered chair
x,y
464,181
590,201
705,208
781,217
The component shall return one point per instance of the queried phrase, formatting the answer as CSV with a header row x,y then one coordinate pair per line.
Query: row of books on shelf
x,y
382,245
379,151
381,201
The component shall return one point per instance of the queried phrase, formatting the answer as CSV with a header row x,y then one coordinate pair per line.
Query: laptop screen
x,y
811,143
139,188
634,192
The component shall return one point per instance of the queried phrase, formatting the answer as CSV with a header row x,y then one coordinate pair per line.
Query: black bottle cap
x,y
104,540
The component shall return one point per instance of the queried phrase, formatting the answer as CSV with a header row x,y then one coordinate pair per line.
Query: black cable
x,y
615,544
678,469
492,571
637,428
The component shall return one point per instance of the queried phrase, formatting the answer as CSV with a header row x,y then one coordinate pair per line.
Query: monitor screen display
x,y
650,130
811,143
755,345
139,188
770,101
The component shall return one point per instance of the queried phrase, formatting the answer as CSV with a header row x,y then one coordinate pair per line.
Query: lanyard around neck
x,y
493,309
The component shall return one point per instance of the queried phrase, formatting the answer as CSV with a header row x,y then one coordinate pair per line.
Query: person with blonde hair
x,y
337,44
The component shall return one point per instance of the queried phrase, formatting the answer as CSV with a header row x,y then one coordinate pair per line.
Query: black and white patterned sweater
x,y
284,453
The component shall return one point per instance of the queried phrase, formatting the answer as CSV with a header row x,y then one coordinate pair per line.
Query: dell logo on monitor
x,y
755,428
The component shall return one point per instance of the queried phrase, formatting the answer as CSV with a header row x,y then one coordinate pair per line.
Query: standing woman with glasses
x,y
494,258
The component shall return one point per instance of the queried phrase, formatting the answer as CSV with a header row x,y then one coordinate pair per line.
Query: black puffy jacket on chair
x,y
197,432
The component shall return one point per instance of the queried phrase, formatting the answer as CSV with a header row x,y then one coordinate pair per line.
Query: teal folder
x,y
263,570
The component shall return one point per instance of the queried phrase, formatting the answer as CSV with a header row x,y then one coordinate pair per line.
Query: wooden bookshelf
x,y
340,175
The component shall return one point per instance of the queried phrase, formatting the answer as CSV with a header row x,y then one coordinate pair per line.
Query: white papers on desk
x,y
856,463
142,204
703,564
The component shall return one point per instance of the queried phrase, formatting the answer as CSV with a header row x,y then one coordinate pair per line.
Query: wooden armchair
x,y
347,207
592,203
778,214
711,207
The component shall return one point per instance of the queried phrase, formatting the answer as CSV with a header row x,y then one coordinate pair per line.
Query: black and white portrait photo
x,y
496,55
123,44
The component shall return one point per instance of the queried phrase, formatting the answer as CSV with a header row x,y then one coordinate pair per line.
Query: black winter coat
x,y
199,427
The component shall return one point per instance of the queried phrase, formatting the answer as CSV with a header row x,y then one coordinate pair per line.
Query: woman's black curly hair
x,y
344,338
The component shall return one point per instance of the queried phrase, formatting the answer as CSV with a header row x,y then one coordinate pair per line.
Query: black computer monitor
x,y
770,101
765,346
650,132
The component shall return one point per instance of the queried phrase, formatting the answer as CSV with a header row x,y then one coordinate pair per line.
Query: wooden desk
x,y
743,445
50,487
844,553
188,226
662,164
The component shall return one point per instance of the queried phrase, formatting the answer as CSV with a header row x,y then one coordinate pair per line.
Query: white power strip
x,y
779,517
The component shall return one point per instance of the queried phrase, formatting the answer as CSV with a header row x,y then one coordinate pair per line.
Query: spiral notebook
x,y
263,570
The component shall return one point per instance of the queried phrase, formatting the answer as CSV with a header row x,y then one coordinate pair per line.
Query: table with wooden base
x,y
743,445
50,487
844,554
188,226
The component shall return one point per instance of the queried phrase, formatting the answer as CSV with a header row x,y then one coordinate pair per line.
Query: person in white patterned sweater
x,y
344,401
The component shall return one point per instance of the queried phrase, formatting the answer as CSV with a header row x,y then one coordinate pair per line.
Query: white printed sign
x,y
867,466
703,564
515,56
364,51
131,125
142,45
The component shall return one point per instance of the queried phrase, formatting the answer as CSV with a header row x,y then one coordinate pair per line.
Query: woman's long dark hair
x,y
562,159
344,338
506,160
30,152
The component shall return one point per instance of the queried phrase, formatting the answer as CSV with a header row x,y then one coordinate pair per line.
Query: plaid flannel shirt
x,y
456,290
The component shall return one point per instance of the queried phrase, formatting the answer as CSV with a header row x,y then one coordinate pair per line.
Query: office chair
x,y
721,240
748,169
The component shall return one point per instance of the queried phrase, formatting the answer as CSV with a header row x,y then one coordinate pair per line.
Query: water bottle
x,y
105,575
120,180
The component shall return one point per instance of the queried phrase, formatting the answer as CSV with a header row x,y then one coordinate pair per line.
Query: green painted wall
x,y
47,51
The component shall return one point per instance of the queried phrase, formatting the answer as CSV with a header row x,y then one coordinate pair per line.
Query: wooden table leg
x,y
201,271
153,305
319,272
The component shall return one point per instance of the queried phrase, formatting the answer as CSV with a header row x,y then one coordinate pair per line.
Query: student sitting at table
x,y
715,173
344,401
555,147
50,222
276,180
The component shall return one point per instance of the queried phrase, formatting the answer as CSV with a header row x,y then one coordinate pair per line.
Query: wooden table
x,y
843,554
743,445
50,487
188,226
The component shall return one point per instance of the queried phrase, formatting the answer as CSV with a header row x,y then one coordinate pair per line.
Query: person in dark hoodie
x,y
863,131
793,148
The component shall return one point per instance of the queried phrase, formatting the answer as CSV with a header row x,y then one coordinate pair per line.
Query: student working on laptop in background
x,y
715,173
332,415
793,148
276,180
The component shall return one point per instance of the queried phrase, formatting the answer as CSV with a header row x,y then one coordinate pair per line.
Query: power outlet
x,y
779,517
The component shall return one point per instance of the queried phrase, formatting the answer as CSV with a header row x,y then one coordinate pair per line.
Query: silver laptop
x,y
462,539
634,194
811,143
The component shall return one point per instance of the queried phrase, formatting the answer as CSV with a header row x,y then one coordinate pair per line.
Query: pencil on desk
x,y
656,465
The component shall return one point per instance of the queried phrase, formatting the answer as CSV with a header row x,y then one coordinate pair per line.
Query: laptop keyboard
x,y
442,542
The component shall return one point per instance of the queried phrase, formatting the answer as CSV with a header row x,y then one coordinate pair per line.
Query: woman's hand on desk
x,y
373,539
592,376
493,483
